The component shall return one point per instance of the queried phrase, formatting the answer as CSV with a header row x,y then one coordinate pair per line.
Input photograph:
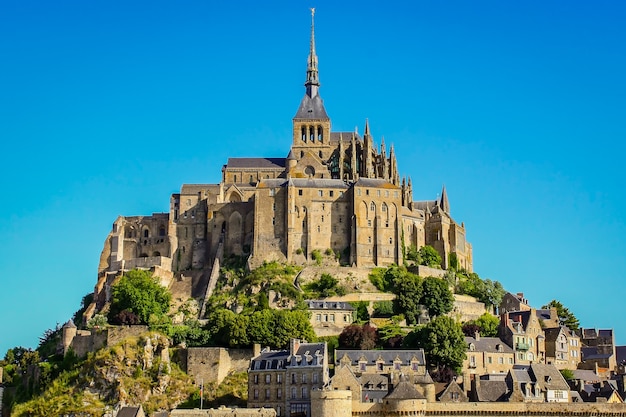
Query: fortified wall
x,y
225,412
338,403
85,341
213,364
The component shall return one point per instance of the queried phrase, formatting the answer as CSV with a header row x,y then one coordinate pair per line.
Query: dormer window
x,y
472,347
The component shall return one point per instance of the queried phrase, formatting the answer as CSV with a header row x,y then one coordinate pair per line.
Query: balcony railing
x,y
522,346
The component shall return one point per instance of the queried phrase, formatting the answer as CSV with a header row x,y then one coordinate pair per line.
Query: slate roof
x,y
620,353
375,182
388,356
307,354
549,377
591,352
373,387
404,390
317,183
311,108
586,375
263,163
328,305
491,391
128,412
345,136
488,344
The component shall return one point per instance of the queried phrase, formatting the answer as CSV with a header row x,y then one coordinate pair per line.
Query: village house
x,y
283,380
522,331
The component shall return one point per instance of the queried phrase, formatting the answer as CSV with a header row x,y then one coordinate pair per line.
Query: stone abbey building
x,y
333,190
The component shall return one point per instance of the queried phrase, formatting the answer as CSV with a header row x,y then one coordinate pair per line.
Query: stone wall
x,y
337,403
225,412
213,364
467,308
86,341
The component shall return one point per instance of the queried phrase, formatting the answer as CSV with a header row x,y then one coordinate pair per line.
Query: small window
x,y
268,378
379,366
320,193
367,192
304,392
256,378
279,393
267,393
331,193
299,192
372,206
272,192
256,394
377,193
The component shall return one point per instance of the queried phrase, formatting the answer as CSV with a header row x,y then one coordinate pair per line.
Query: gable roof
x,y
491,391
261,163
488,344
404,390
387,356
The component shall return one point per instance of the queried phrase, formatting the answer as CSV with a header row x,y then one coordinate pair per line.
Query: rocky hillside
x,y
135,371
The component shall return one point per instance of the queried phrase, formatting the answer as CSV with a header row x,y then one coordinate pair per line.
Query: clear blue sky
x,y
519,108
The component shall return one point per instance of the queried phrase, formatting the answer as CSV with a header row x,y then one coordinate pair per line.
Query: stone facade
x,y
329,318
486,355
563,347
522,331
334,190
213,364
85,341
284,380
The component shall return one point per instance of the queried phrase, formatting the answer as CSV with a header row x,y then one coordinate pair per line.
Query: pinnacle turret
x,y
312,76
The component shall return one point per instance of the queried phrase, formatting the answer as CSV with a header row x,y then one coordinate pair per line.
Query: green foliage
x,y
408,290
383,308
49,341
140,293
486,291
436,296
377,278
566,317
267,327
362,314
443,343
98,321
486,325
316,255
299,251
329,252
428,256
85,302
453,261
190,334
391,336
332,343
412,254
568,374
326,286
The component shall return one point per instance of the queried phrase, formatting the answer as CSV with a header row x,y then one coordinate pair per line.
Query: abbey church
x,y
333,190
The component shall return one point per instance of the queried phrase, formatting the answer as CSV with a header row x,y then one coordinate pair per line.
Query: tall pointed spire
x,y
443,201
312,77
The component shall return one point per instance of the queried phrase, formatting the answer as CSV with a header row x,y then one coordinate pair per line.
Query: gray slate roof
x,y
318,183
488,344
311,108
492,391
388,356
263,163
128,412
328,305
404,390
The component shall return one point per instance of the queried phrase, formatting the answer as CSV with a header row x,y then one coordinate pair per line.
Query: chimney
x,y
294,345
477,335
256,350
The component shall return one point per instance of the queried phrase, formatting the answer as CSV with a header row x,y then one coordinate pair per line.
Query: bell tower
x,y
311,124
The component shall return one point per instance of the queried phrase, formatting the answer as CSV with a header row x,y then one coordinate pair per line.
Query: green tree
x,y
139,293
408,290
436,296
568,374
443,343
429,256
486,291
360,308
412,254
566,317
486,325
